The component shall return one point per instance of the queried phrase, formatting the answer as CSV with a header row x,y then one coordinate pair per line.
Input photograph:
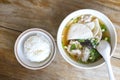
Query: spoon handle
x,y
111,76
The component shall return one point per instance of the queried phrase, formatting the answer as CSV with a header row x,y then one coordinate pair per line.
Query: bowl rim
x,y
16,46
59,33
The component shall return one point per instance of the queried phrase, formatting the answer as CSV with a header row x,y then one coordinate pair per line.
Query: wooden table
x,y
19,15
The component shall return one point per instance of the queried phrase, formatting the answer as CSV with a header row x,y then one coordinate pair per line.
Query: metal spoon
x,y
104,49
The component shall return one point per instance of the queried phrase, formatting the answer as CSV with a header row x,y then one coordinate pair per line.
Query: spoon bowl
x,y
104,49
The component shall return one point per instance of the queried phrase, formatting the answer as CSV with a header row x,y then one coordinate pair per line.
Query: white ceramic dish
x,y
19,51
102,17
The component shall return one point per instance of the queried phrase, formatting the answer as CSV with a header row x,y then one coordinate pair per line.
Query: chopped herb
x,y
103,30
79,46
94,55
81,40
94,42
76,20
65,47
103,27
73,46
107,38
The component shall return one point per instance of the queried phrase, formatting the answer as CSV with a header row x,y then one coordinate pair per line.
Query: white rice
x,y
37,48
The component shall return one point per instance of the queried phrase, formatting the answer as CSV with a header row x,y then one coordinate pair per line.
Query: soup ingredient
x,y
84,49
90,25
79,31
103,27
86,54
94,55
85,18
73,48
107,38
86,43
37,48
96,28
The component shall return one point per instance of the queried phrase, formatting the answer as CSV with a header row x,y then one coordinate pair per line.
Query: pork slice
x,y
79,31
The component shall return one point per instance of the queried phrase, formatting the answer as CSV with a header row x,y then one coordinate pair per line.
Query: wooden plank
x,y
7,40
116,67
59,69
117,51
113,4
47,14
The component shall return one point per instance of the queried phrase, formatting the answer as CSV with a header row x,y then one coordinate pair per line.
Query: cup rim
x,y
60,32
31,67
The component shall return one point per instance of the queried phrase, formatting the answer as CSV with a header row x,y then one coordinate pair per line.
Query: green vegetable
x,y
76,20
73,46
107,38
94,55
103,27
103,30
65,47
94,42
81,40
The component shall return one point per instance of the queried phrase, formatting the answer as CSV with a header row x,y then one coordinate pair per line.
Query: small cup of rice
x,y
35,49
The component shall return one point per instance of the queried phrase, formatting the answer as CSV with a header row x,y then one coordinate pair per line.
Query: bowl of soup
x,y
80,33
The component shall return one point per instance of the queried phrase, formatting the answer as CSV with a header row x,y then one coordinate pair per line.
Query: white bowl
x,y
19,51
102,17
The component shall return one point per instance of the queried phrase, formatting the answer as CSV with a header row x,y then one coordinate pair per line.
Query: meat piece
x,y
79,31
75,51
86,54
85,18
90,25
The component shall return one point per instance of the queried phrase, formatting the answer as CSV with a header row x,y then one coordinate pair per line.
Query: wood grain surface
x,y
19,15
